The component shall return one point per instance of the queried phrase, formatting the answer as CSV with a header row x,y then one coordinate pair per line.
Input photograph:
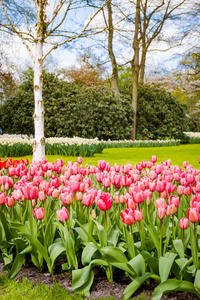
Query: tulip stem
x,y
195,244
80,211
160,237
105,226
42,228
88,215
183,241
31,220
132,238
173,228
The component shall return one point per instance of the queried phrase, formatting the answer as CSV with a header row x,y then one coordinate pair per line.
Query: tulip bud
x,y
184,223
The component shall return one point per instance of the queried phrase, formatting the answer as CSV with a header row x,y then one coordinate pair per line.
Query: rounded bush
x,y
70,110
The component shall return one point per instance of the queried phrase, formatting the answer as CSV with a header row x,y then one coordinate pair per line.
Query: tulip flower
x,y
160,202
128,216
193,215
39,213
154,159
62,214
10,201
104,201
138,215
184,223
161,213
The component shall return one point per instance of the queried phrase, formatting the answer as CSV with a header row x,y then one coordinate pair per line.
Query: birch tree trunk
x,y
39,141
135,69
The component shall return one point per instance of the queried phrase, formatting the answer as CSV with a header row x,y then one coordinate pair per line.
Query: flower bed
x,y
22,145
142,220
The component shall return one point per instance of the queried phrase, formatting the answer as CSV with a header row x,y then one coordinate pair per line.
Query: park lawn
x,y
177,154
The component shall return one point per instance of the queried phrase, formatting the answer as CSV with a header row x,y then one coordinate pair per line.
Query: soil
x,y
101,286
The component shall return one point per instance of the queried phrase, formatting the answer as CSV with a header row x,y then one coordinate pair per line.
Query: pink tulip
x,y
195,204
131,203
161,213
174,200
139,197
138,215
104,201
55,194
79,196
127,216
184,223
66,197
62,214
42,196
106,182
55,182
30,192
154,159
10,201
88,199
116,167
39,213
180,190
185,164
160,186
171,209
193,215
160,202
101,164
17,194
158,169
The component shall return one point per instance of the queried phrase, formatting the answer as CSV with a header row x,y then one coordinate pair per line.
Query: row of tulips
x,y
143,220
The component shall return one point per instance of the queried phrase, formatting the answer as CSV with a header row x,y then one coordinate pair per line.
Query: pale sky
x,y
18,55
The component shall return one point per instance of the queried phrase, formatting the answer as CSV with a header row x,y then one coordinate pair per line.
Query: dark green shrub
x,y
159,115
70,110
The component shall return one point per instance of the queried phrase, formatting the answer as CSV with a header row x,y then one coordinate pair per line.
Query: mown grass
x,y
177,154
25,290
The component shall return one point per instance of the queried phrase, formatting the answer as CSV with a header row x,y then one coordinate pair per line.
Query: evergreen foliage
x,y
70,110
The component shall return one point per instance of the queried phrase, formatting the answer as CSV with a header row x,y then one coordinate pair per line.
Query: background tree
x,y
87,73
43,24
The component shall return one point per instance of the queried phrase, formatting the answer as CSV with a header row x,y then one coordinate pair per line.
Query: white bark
x,y
39,142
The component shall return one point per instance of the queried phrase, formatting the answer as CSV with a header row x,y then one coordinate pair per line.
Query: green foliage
x,y
70,110
158,113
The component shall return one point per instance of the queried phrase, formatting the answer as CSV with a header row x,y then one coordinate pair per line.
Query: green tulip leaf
x,y
178,245
165,265
137,282
173,285
197,281
138,265
18,262
113,254
87,253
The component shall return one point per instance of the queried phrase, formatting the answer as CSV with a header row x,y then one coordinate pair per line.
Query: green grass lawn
x,y
177,154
